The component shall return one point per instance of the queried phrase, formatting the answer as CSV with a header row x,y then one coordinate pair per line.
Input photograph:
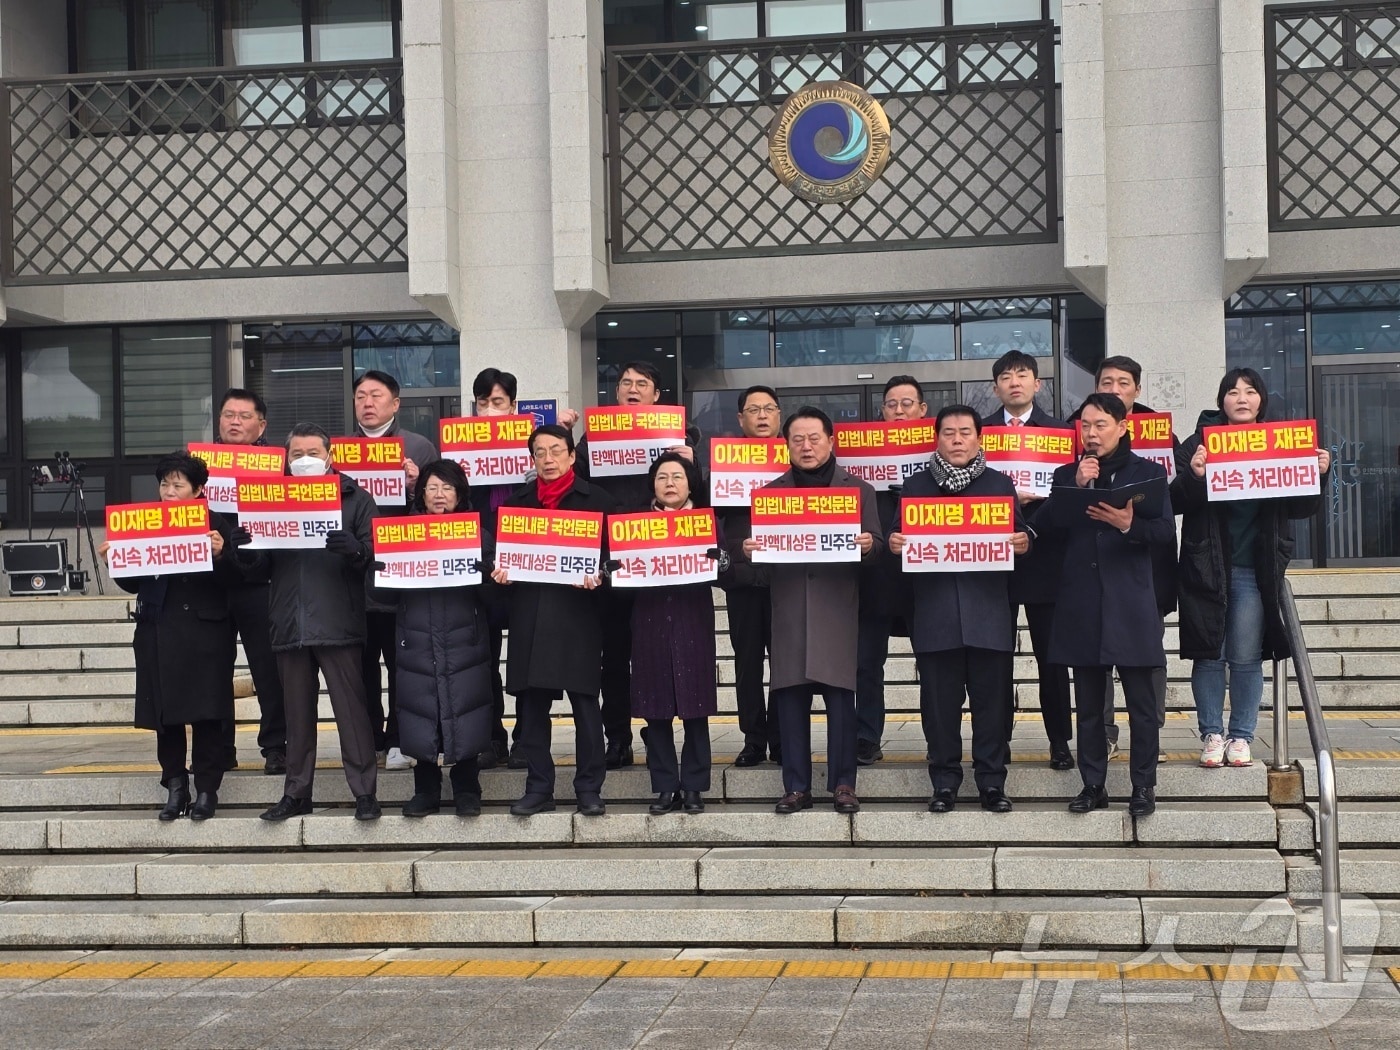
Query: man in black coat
x,y
1106,609
1036,579
746,596
377,415
962,628
638,386
242,420
317,608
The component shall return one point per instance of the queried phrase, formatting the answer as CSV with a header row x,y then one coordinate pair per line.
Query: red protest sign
x,y
493,450
957,533
376,464
663,548
886,454
548,546
1261,460
289,513
627,440
740,466
228,464
806,525
1028,455
145,539
428,550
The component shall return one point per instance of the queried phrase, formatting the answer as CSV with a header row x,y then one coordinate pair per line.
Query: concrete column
x,y
1244,142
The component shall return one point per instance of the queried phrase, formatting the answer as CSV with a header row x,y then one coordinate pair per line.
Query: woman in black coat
x,y
673,660
556,639
184,654
443,668
1233,557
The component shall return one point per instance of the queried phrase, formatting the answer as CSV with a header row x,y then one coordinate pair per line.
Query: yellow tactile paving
x,y
419,968
661,968
33,971
1394,972
262,969
1253,973
339,968
1164,972
1076,971
828,968
183,970
971,970
104,971
600,968
743,968
911,970
497,968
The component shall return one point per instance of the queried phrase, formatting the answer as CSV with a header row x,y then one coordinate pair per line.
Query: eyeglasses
x,y
242,417
555,452
635,384
906,404
761,410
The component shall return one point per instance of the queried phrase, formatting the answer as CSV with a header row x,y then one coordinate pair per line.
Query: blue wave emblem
x,y
822,123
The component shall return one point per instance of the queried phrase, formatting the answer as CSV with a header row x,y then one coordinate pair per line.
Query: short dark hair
x,y
301,430
1250,376
957,410
489,378
449,471
642,368
237,393
1110,403
1120,364
744,397
1015,359
699,496
552,430
905,381
809,412
379,377
181,462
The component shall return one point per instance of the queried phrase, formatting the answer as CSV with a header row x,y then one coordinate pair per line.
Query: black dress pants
x,y
794,707
1090,686
381,637
872,650
1159,688
750,633
247,606
692,772
983,676
617,666
532,722
1055,703
341,666
499,735
464,775
206,754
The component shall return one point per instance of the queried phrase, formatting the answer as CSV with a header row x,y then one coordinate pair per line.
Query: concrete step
x,y
1375,872
65,610
1150,871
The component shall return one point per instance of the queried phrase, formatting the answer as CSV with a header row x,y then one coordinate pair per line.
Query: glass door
x,y
1358,409
423,414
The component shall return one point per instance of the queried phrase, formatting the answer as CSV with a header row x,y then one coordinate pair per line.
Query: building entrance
x,y
1358,408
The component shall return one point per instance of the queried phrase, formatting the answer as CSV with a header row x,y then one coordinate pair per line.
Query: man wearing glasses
x,y
746,591
885,601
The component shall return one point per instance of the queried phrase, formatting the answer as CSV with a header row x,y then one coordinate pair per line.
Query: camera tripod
x,y
73,474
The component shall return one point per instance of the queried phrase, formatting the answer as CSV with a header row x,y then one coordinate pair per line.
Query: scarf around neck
x,y
820,478
1112,464
551,492
953,479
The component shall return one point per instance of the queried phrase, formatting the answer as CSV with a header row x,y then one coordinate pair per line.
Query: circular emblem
x,y
38,582
829,142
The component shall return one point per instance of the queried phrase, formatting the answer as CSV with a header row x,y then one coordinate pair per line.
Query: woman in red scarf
x,y
556,640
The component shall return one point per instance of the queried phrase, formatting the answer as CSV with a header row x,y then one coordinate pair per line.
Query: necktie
x,y
1016,421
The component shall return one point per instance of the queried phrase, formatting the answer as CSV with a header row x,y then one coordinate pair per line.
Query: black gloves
x,y
240,537
338,541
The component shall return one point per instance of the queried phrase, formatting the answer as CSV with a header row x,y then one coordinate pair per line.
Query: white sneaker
x,y
396,759
1213,751
1237,753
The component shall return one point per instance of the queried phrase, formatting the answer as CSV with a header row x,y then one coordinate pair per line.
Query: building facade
x,y
278,193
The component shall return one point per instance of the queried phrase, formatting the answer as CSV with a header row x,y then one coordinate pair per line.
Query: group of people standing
x,y
1096,586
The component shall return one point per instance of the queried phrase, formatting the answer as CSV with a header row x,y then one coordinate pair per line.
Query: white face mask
x,y
308,466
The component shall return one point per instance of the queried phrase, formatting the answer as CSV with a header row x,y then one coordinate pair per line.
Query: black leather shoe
x,y
751,755
488,759
467,805
994,800
592,805
275,764
666,802
618,755
231,762
1143,802
844,800
868,753
692,802
1092,797
288,807
366,807
205,803
529,805
793,801
1060,756
515,760
943,801
421,806
177,799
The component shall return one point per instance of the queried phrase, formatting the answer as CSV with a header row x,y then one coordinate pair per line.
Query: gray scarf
x,y
953,479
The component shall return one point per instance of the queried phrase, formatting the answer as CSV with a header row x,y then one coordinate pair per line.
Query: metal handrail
x,y
1329,849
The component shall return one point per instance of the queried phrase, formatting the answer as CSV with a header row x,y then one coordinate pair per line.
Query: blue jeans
x,y
1243,651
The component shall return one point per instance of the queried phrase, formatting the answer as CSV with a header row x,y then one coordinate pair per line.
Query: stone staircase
x,y
83,862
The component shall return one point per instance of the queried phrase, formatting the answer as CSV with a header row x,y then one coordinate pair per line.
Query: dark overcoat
x,y
1203,575
673,652
317,597
1036,578
1106,609
954,610
556,630
736,525
184,641
884,590
815,607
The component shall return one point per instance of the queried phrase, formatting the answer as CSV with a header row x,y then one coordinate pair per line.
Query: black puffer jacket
x,y
317,597
1203,574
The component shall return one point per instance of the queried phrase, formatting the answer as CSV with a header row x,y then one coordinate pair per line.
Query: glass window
x,y
1274,345
179,34
623,338
725,338
902,14
991,327
732,78
715,412
805,18
985,12
66,389
1375,331
642,22
865,334
300,386
100,32
167,387
351,30
266,32
4,406
420,355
